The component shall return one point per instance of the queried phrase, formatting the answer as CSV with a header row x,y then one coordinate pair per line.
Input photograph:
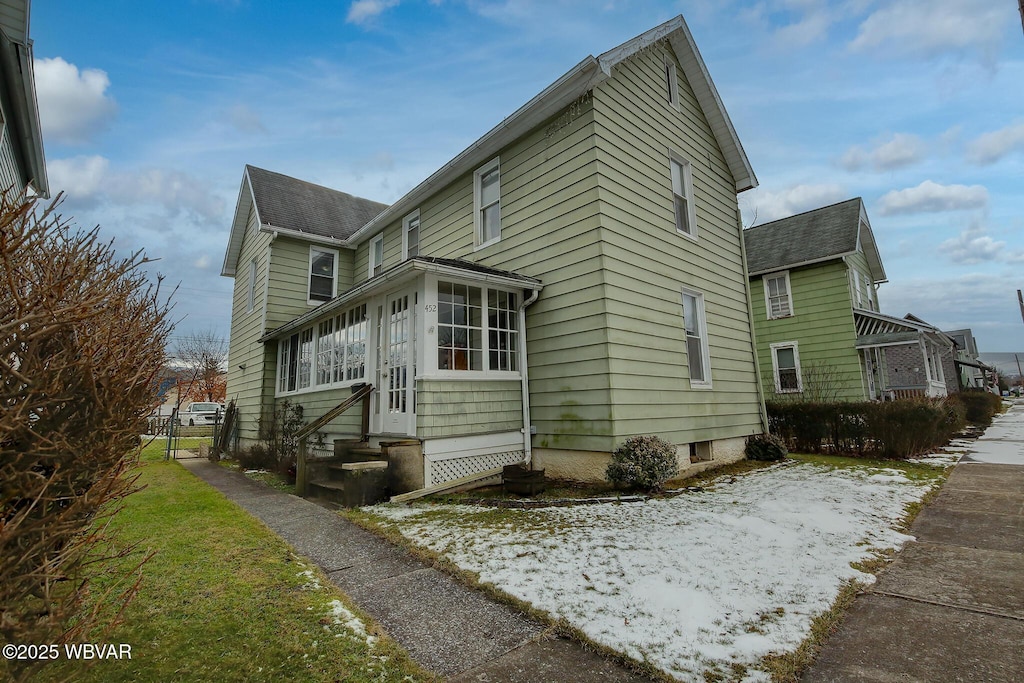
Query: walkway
x,y
951,606
446,627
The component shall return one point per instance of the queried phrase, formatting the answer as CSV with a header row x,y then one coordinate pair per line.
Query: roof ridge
x,y
804,213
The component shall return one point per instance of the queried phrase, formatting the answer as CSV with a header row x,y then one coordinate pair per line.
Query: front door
x,y
396,368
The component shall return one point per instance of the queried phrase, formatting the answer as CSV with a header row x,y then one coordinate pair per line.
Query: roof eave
x,y
801,264
29,139
238,225
543,106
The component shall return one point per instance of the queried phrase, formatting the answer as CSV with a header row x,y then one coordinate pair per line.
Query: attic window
x,y
671,82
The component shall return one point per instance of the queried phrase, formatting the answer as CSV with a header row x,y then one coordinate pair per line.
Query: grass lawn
x,y
224,599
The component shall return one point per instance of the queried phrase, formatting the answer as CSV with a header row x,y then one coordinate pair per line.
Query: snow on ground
x,y
1003,442
688,583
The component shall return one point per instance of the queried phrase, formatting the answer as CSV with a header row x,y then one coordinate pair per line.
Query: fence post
x,y
300,468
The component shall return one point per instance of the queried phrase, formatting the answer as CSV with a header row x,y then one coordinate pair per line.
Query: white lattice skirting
x,y
440,471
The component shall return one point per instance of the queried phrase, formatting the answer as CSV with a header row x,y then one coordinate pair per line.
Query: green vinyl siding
x,y
252,387
316,404
446,408
822,325
647,264
860,262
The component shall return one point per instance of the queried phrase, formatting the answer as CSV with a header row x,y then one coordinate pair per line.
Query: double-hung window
x,y
682,196
487,203
323,265
776,295
786,366
411,235
694,322
376,255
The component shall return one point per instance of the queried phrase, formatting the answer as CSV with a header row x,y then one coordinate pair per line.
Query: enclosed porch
x,y
903,357
435,349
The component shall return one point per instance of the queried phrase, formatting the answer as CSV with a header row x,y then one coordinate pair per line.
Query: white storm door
x,y
396,369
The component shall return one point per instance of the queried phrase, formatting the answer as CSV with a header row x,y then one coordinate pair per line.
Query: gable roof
x,y
824,234
548,103
573,84
294,206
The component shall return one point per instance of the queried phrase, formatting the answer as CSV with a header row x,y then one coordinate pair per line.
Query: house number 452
x,y
430,308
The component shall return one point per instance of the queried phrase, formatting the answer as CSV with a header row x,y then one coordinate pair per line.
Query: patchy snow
x,y
1003,442
947,458
689,583
342,616
312,582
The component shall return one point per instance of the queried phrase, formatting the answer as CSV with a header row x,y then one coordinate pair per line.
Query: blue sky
x,y
150,111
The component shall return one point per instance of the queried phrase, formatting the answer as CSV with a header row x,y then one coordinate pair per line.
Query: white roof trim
x,y
238,225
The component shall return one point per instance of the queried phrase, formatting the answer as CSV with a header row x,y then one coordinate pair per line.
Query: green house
x,y
814,280
574,277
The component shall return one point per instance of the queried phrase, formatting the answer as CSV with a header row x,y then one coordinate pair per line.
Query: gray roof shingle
x,y
286,202
804,238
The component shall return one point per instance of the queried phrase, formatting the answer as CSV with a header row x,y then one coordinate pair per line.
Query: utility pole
x,y
1020,299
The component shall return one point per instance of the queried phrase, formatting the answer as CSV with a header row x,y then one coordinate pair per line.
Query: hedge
x,y
894,429
980,405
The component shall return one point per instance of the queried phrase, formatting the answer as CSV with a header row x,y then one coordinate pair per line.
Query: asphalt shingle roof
x,y
286,202
807,237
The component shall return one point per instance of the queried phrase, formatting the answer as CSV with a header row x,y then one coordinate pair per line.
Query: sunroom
x,y
443,344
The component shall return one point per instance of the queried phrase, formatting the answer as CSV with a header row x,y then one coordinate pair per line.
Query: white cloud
x,y
930,27
991,147
73,106
364,11
89,179
973,246
903,149
770,206
245,119
931,197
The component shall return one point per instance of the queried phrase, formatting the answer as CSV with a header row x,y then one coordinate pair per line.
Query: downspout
x,y
527,435
750,319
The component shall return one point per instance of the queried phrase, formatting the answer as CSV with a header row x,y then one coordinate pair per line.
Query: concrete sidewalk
x,y
951,606
448,628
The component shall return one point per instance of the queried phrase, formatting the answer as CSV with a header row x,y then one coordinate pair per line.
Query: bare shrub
x,y
82,338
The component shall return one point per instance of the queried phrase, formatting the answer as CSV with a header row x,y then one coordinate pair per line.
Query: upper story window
x,y
671,82
487,203
786,367
411,235
250,297
776,295
376,255
682,196
870,292
695,325
323,269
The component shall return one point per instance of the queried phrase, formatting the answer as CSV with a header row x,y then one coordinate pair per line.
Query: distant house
x,y
972,372
22,164
572,278
814,281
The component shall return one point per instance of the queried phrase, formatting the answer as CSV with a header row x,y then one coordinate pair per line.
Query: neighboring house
x,y
814,281
22,165
576,274
973,373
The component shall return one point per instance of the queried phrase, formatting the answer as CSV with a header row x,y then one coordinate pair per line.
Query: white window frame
x,y
478,226
870,291
767,295
339,361
681,176
378,240
775,367
671,81
702,328
309,275
406,224
855,280
250,297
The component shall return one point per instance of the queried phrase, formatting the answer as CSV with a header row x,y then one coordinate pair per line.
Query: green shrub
x,y
979,405
644,462
892,429
258,457
765,447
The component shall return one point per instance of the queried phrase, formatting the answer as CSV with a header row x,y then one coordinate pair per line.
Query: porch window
x,y
502,335
331,352
322,266
786,363
776,295
459,327
487,203
696,340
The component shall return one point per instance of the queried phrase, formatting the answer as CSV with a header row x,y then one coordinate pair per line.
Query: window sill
x,y
702,386
489,243
690,236
472,375
347,384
